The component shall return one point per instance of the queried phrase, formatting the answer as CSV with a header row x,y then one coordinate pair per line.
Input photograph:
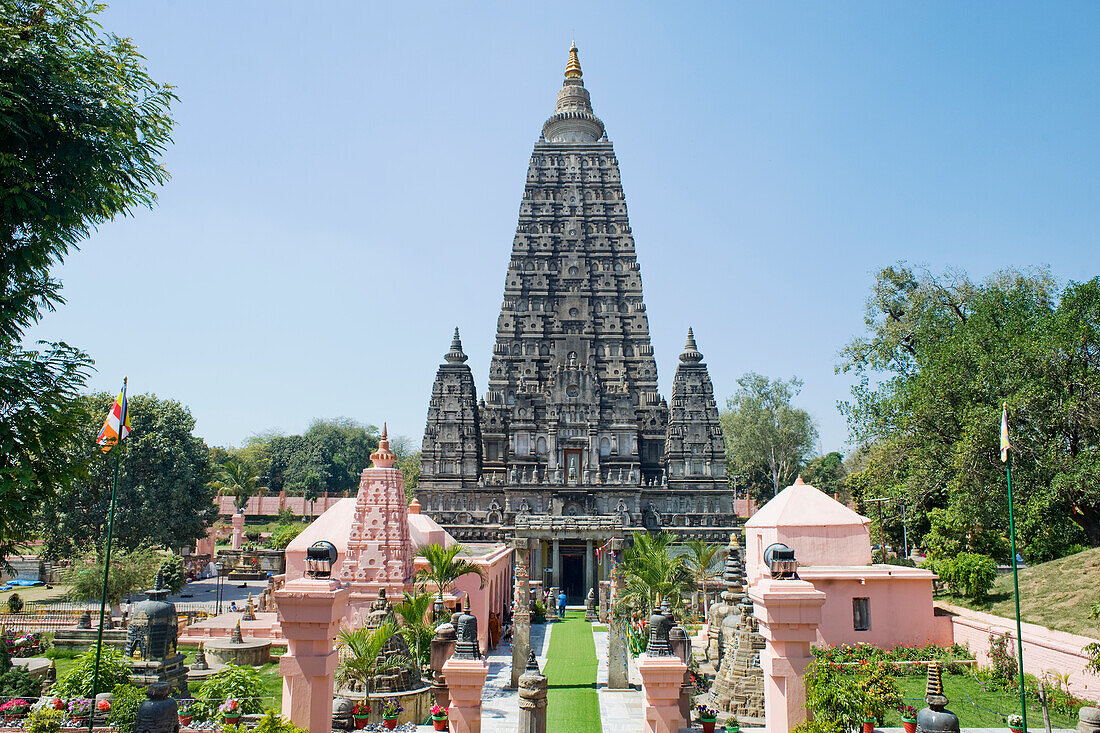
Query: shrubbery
x,y
843,697
284,534
845,655
240,683
968,574
114,669
15,603
172,573
124,706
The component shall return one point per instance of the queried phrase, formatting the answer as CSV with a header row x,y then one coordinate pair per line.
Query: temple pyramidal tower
x,y
572,423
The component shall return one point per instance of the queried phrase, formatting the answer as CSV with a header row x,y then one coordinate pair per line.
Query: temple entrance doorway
x,y
572,577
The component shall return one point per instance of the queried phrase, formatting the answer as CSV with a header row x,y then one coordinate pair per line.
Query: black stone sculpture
x,y
158,713
660,624
936,718
467,647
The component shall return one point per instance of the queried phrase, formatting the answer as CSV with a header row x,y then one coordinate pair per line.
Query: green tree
x,y
361,656
408,460
415,627
82,129
702,560
445,567
164,496
130,571
651,571
767,439
941,355
827,473
238,478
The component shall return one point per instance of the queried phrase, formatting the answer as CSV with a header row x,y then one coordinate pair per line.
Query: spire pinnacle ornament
x,y
573,68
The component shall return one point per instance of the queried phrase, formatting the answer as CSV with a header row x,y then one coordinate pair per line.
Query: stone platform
x,y
265,627
252,652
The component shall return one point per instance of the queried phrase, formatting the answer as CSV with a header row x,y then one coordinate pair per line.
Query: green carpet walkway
x,y
572,703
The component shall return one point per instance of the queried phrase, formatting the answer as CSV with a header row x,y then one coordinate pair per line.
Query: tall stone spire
x,y
695,454
691,353
573,120
455,355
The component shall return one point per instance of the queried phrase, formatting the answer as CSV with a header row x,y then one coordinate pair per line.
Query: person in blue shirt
x,y
561,604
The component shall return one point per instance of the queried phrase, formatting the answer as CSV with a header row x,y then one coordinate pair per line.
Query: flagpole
x,y
1016,594
107,558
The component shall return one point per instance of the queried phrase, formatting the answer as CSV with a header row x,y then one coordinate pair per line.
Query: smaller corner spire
x,y
573,68
456,355
691,353
383,457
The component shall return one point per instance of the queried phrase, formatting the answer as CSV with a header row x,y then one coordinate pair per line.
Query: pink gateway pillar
x,y
789,612
310,612
465,680
661,680
237,538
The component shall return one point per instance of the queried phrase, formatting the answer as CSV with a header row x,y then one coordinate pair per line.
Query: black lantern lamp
x,y
320,558
660,624
780,561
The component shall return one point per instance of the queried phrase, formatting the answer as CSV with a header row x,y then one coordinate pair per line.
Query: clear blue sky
x,y
346,178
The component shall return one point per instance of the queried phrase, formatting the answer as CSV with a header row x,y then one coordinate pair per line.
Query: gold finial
x,y
573,68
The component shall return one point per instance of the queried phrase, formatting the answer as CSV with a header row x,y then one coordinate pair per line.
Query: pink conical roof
x,y
802,505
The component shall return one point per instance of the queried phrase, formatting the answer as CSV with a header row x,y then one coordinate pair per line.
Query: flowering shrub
x,y
185,704
391,707
79,707
103,706
438,711
908,712
844,654
15,706
361,708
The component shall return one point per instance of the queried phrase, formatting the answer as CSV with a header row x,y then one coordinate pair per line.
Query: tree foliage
x,y
164,496
114,669
82,129
445,567
651,571
767,438
236,477
941,355
329,457
828,473
130,571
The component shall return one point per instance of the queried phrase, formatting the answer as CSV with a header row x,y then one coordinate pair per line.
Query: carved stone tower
x,y
572,423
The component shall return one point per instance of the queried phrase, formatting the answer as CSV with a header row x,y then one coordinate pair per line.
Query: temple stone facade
x,y
572,423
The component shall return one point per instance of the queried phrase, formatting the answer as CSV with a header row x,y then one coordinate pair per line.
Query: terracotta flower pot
x,y
708,725
389,723
440,723
868,726
360,721
12,717
231,719
909,725
1016,730
185,719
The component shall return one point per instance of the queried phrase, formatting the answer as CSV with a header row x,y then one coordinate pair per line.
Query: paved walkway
x,y
620,710
500,707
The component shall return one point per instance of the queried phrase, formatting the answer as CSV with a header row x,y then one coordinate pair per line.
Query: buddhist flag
x,y
1005,445
117,425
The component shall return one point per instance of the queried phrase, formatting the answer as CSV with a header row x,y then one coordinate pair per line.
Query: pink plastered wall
x,y
270,506
830,545
899,598
1044,649
493,594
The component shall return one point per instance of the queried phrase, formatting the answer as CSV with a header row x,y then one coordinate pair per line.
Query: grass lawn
x,y
1056,594
35,593
572,704
975,706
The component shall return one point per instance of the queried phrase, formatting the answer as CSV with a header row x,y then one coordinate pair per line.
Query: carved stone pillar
x,y
589,567
618,673
532,699
443,646
521,611
557,565
552,450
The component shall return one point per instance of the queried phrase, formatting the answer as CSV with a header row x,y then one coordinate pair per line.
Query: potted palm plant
x,y
439,717
360,713
391,708
445,567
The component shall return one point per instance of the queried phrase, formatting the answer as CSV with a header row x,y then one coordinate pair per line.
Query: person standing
x,y
561,604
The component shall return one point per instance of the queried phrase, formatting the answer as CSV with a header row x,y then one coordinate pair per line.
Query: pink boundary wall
x,y
269,506
1044,649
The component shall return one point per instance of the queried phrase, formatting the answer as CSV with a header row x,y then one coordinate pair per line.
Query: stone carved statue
x,y
660,624
467,645
158,713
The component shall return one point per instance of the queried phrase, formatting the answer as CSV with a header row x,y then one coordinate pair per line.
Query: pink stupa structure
x,y
378,554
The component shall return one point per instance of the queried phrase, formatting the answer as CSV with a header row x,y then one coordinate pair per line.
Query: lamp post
x,y
218,588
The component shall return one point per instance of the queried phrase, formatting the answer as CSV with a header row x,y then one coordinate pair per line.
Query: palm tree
x,y
445,567
651,572
702,560
236,477
417,631
359,656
